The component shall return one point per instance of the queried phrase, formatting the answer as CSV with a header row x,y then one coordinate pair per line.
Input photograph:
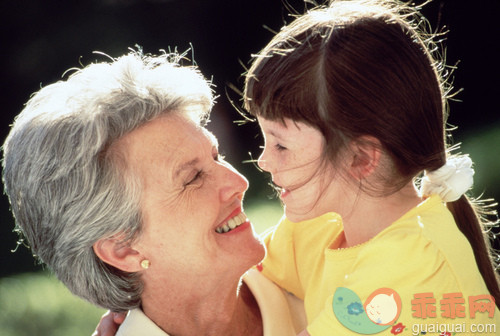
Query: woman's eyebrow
x,y
192,163
185,166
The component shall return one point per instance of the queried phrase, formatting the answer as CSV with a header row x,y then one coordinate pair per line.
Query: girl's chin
x,y
299,206
296,215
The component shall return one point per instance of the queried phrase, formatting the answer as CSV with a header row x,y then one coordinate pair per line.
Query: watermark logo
x,y
380,310
452,305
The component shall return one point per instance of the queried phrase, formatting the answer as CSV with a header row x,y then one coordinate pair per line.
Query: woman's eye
x,y
198,174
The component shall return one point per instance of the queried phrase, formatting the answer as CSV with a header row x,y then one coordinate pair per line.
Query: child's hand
x,y
303,333
109,323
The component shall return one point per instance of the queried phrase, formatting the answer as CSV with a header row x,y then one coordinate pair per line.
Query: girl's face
x,y
293,154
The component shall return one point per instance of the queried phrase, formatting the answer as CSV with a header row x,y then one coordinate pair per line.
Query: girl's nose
x,y
261,162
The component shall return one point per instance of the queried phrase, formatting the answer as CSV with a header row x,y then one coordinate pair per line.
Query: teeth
x,y
232,223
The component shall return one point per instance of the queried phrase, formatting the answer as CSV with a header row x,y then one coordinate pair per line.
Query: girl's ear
x,y
114,252
366,153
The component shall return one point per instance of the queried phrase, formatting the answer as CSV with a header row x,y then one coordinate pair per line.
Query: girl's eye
x,y
280,147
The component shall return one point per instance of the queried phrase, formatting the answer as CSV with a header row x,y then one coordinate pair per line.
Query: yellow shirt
x,y
422,258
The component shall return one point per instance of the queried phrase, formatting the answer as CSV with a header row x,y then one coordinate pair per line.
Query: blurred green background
x,y
43,38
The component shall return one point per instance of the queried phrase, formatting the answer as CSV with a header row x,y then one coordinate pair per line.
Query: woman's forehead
x,y
164,137
210,136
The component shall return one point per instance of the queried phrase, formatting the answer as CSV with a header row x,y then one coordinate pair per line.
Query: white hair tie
x,y
450,181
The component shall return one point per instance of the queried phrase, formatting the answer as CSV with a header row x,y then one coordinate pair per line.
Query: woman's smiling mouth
x,y
232,223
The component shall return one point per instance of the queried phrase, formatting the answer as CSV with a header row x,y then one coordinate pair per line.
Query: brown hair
x,y
365,68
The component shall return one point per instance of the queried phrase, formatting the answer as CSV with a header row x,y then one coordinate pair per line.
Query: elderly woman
x,y
120,190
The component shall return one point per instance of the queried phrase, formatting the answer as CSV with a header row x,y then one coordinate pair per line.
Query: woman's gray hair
x,y
67,190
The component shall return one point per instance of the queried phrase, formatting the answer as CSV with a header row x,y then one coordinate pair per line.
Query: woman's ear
x,y
366,152
114,252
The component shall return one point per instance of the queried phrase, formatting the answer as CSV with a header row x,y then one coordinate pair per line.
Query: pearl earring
x,y
145,264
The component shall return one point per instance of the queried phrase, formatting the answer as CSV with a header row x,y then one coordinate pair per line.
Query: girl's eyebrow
x,y
276,135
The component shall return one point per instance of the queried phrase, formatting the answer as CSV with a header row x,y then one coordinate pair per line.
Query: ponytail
x,y
471,217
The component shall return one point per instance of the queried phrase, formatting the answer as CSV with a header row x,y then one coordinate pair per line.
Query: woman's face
x,y
293,154
190,197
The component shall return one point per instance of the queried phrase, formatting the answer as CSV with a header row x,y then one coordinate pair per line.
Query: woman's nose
x,y
235,184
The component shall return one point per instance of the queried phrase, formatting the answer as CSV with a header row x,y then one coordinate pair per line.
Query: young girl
x,y
352,106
